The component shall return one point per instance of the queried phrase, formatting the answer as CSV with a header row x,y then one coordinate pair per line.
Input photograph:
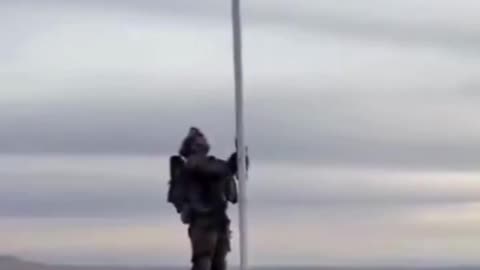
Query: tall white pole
x,y
242,174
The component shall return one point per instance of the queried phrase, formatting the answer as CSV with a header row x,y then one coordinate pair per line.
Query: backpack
x,y
176,187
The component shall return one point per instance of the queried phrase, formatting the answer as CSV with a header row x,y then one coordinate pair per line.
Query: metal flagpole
x,y
242,174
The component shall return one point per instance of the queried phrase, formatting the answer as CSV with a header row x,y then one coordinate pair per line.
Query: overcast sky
x,y
372,106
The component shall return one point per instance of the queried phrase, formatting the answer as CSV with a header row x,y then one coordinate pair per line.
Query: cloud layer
x,y
70,209
91,82
362,124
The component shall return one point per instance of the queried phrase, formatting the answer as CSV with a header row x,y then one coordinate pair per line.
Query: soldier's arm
x,y
208,165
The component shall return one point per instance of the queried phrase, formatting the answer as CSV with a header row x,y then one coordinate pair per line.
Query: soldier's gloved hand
x,y
232,162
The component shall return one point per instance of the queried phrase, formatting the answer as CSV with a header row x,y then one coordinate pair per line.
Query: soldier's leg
x,y
222,249
203,242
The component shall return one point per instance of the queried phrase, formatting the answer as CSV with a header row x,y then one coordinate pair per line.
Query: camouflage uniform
x,y
210,245
210,186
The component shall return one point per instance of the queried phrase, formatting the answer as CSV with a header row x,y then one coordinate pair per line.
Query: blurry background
x,y
362,125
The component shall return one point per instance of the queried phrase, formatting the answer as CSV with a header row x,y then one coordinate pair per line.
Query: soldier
x,y
201,187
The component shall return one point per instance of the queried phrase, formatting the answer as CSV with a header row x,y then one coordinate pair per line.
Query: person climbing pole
x,y
200,188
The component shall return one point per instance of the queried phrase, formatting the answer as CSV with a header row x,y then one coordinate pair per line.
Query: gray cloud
x,y
56,198
443,25
358,126
330,132
76,186
413,110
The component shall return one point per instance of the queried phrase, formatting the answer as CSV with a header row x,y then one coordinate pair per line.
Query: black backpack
x,y
176,186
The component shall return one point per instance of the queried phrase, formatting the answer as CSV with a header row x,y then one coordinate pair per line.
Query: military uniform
x,y
213,186
209,185
210,243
